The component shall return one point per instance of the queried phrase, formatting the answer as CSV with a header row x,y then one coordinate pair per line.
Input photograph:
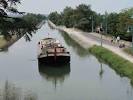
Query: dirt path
x,y
87,41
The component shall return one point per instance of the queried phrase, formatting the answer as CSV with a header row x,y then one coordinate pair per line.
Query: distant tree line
x,y
83,17
17,25
8,5
20,26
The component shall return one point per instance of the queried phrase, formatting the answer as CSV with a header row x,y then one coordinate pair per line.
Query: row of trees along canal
x,y
84,18
17,25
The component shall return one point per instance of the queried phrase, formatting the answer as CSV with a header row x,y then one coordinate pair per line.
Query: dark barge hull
x,y
51,60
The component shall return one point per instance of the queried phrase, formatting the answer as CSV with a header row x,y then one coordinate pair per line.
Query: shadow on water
x,y
11,92
54,74
4,50
27,34
77,48
15,34
101,72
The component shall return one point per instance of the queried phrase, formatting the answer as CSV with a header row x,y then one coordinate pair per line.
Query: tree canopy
x,y
8,5
83,17
18,25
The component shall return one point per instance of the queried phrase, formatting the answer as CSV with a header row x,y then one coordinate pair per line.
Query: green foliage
x,y
20,26
34,18
10,25
119,64
124,22
8,5
68,17
55,18
112,21
78,18
81,17
83,24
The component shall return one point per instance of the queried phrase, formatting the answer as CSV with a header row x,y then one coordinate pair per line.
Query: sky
x,y
47,6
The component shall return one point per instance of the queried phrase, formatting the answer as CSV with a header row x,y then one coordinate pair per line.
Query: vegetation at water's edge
x,y
19,25
78,48
83,16
129,51
13,29
119,64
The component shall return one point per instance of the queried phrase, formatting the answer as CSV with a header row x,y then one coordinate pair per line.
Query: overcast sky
x,y
47,6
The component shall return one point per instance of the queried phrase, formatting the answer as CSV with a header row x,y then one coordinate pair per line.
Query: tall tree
x,y
112,22
124,22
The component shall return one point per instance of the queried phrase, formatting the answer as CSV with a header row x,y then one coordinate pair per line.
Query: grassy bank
x,y
119,64
129,51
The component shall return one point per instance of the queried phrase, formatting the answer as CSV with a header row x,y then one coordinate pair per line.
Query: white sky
x,y
47,6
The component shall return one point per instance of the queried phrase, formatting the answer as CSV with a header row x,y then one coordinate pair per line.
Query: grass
x,y
129,51
119,64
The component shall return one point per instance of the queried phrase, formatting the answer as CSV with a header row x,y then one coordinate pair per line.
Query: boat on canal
x,y
51,51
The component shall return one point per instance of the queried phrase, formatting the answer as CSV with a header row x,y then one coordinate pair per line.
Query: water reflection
x,y
50,26
12,35
26,33
11,92
101,71
77,48
4,50
55,74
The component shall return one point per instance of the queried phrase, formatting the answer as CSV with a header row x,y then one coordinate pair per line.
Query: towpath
x,y
86,40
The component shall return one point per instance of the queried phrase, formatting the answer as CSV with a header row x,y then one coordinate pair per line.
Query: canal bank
x,y
123,67
4,44
7,43
87,42
108,54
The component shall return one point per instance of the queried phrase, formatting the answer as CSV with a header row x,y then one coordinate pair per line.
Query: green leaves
x,y
20,26
82,17
78,17
55,17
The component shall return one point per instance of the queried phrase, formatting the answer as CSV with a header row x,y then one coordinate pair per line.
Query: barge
x,y
52,52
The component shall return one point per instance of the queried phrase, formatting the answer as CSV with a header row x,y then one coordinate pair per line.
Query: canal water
x,y
86,78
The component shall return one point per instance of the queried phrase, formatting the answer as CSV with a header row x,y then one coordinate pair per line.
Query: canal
x,y
86,78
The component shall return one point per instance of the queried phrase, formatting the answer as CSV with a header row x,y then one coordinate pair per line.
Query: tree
x,y
124,22
68,16
84,24
112,22
7,5
55,17
84,18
